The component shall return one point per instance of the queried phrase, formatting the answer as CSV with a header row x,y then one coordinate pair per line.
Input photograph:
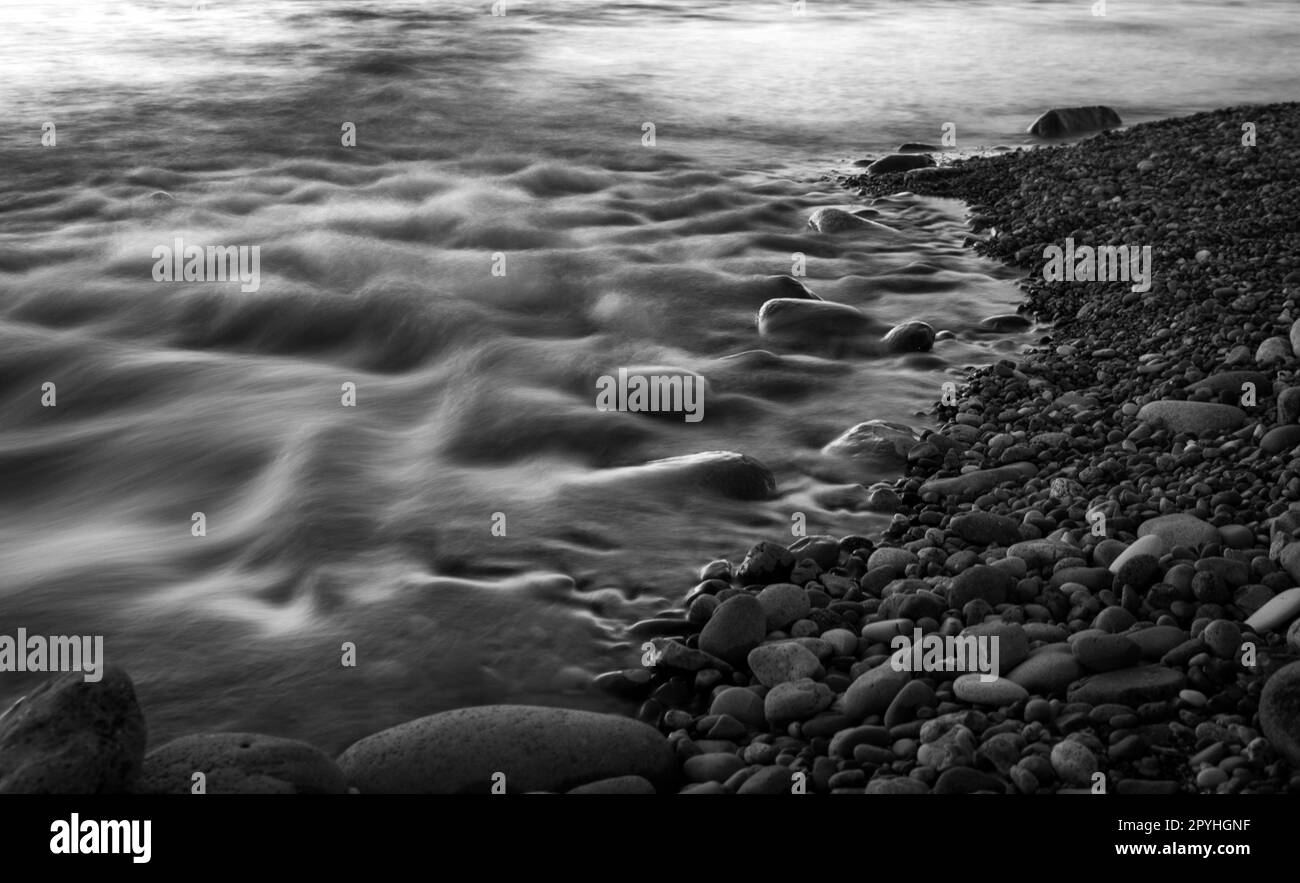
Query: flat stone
x,y
980,582
776,664
769,780
240,763
617,785
978,481
1277,613
1279,712
1042,553
1046,674
899,162
537,749
736,627
1106,652
897,785
72,736
1130,686
742,704
999,692
1280,439
873,691
1158,640
1179,529
716,766
1193,417
987,528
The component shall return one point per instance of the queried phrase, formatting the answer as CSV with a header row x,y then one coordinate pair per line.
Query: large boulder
x,y
1062,122
534,748
73,736
240,763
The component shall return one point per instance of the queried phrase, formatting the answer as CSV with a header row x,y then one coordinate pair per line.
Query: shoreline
x,y
782,665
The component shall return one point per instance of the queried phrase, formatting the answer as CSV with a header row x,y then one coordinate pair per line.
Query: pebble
x,y
986,528
1073,763
740,703
999,692
873,691
774,664
796,700
1280,439
1179,529
1279,712
1106,652
1193,417
1046,674
1277,612
1130,686
736,627
1150,544
783,604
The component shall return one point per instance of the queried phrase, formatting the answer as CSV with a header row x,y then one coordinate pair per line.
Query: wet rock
x,y
1062,122
736,627
240,763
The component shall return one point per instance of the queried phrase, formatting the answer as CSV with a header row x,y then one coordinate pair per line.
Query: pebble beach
x,y
1117,508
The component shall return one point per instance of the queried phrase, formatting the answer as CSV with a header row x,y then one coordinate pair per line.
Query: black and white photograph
x,y
632,398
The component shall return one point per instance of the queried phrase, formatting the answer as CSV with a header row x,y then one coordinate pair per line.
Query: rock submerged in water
x,y
835,220
723,472
240,763
71,736
876,440
811,319
536,748
899,162
1062,122
910,337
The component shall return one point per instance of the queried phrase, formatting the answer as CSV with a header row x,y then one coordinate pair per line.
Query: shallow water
x,y
520,135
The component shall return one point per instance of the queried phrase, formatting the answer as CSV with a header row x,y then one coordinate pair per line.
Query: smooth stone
x,y
910,337
1288,405
843,642
874,440
616,785
716,766
1151,544
1279,712
897,785
1062,122
1289,558
889,556
1179,529
783,604
999,692
978,481
1042,553
1074,763
1012,642
811,319
980,582
874,690
538,749
769,780
1106,652
965,780
1280,439
796,700
986,529
240,763
742,704
1233,381
776,664
1280,610
1130,686
1158,640
1273,351
73,736
915,694
736,627
1046,674
1193,417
